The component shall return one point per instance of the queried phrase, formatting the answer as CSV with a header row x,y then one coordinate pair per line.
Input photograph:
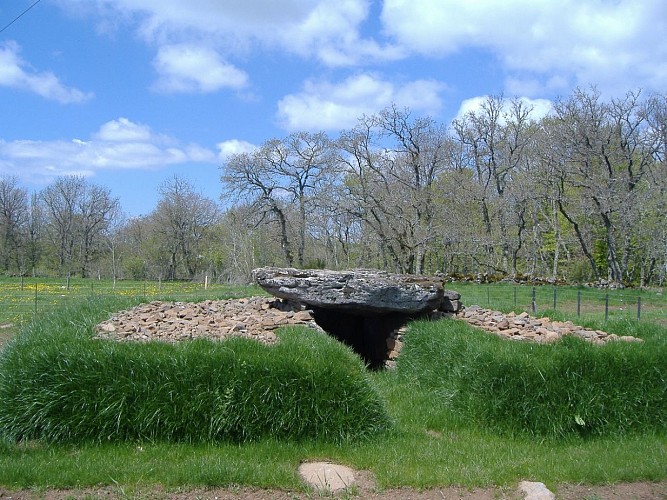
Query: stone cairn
x,y
522,326
253,317
368,310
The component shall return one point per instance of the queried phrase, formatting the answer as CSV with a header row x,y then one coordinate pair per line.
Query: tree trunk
x,y
580,238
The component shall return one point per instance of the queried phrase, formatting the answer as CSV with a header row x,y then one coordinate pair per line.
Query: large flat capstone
x,y
357,290
363,308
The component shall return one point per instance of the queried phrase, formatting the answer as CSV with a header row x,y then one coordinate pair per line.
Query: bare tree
x,y
97,209
608,152
13,221
60,202
281,173
391,162
34,234
182,218
495,139
77,215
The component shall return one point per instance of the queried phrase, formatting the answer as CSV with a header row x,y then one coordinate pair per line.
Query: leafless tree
x,y
495,140
607,151
77,215
13,221
182,219
281,173
391,162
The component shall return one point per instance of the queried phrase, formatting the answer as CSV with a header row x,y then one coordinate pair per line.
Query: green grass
x,y
430,443
569,388
23,299
577,303
58,384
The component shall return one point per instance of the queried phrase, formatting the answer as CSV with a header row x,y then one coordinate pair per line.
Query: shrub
x,y
61,385
568,388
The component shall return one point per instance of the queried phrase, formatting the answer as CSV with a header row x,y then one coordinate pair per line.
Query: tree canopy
x,y
579,194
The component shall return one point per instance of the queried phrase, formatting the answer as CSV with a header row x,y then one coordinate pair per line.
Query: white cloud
x,y
539,107
190,68
617,44
331,32
118,144
123,129
234,146
333,106
328,30
17,73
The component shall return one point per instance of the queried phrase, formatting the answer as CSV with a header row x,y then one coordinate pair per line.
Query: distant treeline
x,y
579,195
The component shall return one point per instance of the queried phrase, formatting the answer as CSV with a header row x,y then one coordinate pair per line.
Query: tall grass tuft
x,y
60,385
569,388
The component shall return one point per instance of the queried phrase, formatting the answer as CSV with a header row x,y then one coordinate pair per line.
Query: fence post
x,y
578,303
606,306
639,307
555,292
533,305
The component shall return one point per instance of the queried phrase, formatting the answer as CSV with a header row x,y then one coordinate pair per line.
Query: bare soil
x,y
364,489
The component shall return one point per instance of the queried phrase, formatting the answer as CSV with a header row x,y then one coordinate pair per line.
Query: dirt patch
x,y
622,491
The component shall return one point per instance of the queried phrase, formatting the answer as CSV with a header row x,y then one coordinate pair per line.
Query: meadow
x,y
462,407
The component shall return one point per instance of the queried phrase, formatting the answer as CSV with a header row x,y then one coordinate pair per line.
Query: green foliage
x,y
135,267
600,255
565,389
58,384
579,271
315,263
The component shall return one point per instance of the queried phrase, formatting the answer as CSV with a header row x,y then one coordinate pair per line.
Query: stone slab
x,y
325,476
359,289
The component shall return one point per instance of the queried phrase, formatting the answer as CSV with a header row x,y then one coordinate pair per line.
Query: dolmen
x,y
362,308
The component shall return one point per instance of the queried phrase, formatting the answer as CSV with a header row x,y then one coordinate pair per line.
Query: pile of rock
x,y
524,327
367,310
253,317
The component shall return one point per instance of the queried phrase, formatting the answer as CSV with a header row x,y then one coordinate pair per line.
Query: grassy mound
x,y
58,384
568,388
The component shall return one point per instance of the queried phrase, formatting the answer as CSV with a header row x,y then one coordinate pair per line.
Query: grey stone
x,y
523,327
535,491
326,476
361,290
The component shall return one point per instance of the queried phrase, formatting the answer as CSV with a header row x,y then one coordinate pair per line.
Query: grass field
x,y
574,302
430,443
23,299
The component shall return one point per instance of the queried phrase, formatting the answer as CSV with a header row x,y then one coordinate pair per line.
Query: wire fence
x,y
606,304
21,299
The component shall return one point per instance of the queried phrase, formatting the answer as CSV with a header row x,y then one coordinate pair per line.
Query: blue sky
x,y
130,93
